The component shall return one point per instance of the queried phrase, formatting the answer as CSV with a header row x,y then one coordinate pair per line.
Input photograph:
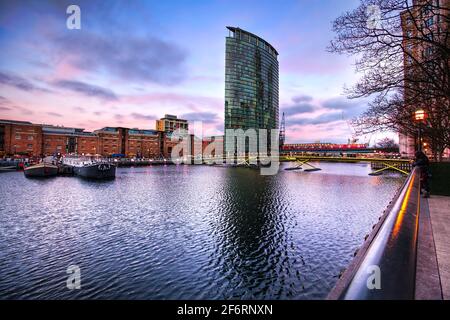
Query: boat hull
x,y
98,171
41,171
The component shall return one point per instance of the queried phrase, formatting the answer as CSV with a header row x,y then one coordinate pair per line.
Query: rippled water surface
x,y
186,232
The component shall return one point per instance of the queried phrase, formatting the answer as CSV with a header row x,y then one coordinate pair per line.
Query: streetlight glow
x,y
420,115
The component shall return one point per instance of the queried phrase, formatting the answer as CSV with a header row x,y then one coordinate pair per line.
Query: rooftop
x,y
15,122
235,29
172,117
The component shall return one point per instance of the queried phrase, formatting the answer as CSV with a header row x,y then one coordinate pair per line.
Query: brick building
x,y
20,137
64,140
111,141
125,142
28,139
143,143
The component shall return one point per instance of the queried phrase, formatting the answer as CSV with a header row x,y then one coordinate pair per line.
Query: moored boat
x,y
96,170
91,169
41,170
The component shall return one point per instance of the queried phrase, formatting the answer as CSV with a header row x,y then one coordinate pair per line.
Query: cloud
x,y
4,103
55,114
120,39
4,108
300,104
302,98
172,98
124,56
79,109
23,110
87,89
299,108
328,111
349,107
16,81
140,116
321,119
206,117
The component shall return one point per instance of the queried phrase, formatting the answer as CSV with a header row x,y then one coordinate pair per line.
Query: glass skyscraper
x,y
251,82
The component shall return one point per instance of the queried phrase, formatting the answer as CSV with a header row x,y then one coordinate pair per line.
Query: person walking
x,y
423,163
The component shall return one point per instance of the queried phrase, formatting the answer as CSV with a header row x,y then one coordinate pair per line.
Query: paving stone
x,y
440,220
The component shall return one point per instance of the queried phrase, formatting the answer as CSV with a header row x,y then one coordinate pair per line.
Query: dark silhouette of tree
x,y
402,50
387,144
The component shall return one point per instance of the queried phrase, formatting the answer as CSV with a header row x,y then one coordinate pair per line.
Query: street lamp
x,y
420,116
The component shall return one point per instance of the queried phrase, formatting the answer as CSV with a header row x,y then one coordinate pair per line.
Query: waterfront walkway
x,y
433,254
440,220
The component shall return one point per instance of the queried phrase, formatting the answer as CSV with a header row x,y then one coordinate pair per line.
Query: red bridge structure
x,y
326,147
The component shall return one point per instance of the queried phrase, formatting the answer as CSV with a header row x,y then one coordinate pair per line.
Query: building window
x,y
2,138
30,138
18,137
30,147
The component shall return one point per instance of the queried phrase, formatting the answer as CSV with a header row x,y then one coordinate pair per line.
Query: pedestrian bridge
x,y
304,162
379,165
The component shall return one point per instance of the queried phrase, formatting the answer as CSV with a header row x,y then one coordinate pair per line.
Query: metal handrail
x,y
391,250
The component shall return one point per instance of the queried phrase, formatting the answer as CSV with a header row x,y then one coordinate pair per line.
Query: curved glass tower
x,y
251,82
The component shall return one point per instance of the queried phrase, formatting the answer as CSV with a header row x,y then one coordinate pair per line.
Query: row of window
x,y
254,41
234,50
19,137
29,147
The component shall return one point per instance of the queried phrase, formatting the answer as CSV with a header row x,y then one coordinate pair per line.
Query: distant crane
x,y
282,132
355,139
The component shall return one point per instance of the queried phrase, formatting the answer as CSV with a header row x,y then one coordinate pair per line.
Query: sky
x,y
132,62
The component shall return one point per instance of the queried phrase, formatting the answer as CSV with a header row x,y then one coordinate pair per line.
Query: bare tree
x,y
387,144
402,50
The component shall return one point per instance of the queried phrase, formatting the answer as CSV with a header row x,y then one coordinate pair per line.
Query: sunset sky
x,y
134,61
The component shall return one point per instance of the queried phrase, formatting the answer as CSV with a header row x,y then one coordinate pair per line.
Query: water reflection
x,y
187,232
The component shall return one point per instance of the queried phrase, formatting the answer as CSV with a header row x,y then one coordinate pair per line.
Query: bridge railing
x,y
385,267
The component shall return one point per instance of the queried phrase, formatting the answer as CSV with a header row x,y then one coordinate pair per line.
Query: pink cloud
x,y
64,70
337,131
180,102
318,63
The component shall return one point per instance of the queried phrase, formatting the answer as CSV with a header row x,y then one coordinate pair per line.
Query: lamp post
x,y
420,116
